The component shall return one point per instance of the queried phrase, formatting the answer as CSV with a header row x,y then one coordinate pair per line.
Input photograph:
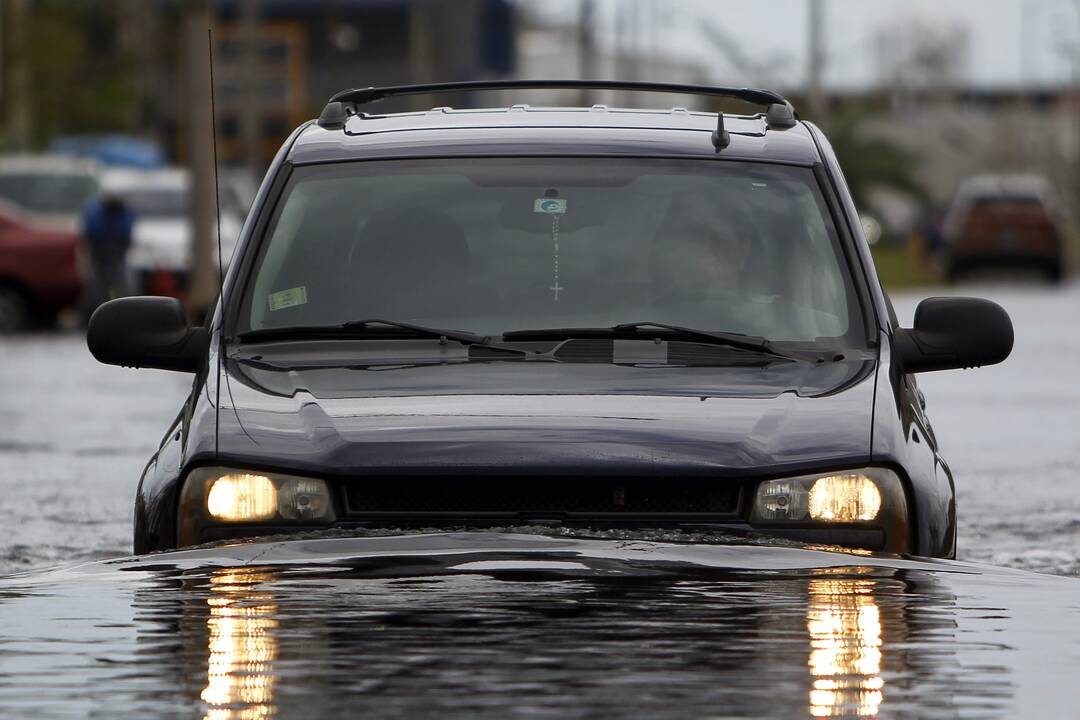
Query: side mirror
x,y
146,332
955,332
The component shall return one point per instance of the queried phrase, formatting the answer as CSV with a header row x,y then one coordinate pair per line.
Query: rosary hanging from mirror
x,y
551,204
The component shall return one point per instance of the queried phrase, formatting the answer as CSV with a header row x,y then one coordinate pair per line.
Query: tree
x,y
870,163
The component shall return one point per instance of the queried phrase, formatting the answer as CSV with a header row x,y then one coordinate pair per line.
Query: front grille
x,y
526,497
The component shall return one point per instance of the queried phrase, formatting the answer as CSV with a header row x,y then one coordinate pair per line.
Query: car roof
x,y
525,130
1005,184
49,164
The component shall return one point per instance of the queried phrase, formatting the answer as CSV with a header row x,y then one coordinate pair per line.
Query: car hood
x,y
540,417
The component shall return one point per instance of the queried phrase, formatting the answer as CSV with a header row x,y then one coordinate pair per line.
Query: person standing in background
x,y
107,230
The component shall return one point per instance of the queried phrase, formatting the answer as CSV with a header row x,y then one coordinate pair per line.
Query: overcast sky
x,y
1000,34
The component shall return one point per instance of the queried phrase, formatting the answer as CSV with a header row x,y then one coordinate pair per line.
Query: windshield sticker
x,y
551,206
288,298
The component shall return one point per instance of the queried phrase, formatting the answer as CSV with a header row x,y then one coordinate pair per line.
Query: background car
x,y
53,189
39,270
160,256
1004,221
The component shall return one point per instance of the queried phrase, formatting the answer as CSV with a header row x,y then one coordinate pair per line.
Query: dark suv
x,y
589,317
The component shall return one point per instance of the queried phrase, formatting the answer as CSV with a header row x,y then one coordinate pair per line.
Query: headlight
x,y
242,497
224,497
844,498
871,498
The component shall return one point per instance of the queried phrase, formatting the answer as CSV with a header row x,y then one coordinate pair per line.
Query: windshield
x,y
48,192
496,245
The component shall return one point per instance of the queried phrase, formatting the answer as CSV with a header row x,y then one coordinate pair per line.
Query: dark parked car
x,y
588,317
1004,221
39,270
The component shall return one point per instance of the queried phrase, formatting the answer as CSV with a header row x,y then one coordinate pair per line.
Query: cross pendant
x,y
556,288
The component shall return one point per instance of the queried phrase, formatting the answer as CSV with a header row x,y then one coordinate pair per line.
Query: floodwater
x,y
1011,433
511,625
497,625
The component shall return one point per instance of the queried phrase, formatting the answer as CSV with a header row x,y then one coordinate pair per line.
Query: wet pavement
x,y
74,438
510,625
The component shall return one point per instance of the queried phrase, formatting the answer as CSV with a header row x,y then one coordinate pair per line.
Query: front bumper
x,y
686,504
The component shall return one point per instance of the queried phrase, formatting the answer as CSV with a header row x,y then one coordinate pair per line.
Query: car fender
x,y
903,440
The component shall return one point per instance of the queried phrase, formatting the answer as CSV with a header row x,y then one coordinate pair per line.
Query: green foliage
x,y
81,80
871,163
898,267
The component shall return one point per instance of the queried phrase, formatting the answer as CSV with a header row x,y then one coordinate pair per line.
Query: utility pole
x,y
198,128
1074,59
21,117
421,48
138,26
250,108
3,69
586,46
623,49
816,60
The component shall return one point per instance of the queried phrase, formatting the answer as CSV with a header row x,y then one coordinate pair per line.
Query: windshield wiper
x,y
356,328
739,341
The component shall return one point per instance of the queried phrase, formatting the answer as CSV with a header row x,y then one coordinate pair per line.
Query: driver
x,y
701,251
708,273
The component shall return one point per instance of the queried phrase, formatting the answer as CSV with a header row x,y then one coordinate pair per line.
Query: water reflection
x,y
242,646
844,623
492,629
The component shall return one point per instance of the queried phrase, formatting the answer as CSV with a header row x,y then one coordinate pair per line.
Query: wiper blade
x,y
735,340
461,336
355,328
359,327
739,341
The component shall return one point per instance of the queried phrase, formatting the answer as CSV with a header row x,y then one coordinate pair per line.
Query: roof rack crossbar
x,y
779,112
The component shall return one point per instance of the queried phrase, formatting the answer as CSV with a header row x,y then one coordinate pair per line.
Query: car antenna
x,y
221,272
720,137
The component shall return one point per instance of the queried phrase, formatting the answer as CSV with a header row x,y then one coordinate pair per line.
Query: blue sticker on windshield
x,y
551,206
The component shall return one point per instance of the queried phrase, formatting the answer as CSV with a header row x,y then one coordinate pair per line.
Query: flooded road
x,y
497,625
1011,433
74,438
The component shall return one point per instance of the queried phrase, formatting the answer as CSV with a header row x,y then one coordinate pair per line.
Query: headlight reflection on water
x,y
844,623
242,647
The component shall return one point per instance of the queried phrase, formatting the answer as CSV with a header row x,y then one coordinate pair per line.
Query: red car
x,y
39,270
1005,221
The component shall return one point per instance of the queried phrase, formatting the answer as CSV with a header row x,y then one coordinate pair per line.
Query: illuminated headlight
x,y
844,498
242,497
869,497
220,496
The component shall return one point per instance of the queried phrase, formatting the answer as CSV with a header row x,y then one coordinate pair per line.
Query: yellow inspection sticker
x,y
288,298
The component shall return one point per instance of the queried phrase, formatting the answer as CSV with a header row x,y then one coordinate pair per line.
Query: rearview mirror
x,y
146,332
955,332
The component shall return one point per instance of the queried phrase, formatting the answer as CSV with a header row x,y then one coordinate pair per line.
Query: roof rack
x,y
779,113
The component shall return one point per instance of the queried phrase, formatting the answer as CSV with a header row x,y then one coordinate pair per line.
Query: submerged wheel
x,y
14,310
